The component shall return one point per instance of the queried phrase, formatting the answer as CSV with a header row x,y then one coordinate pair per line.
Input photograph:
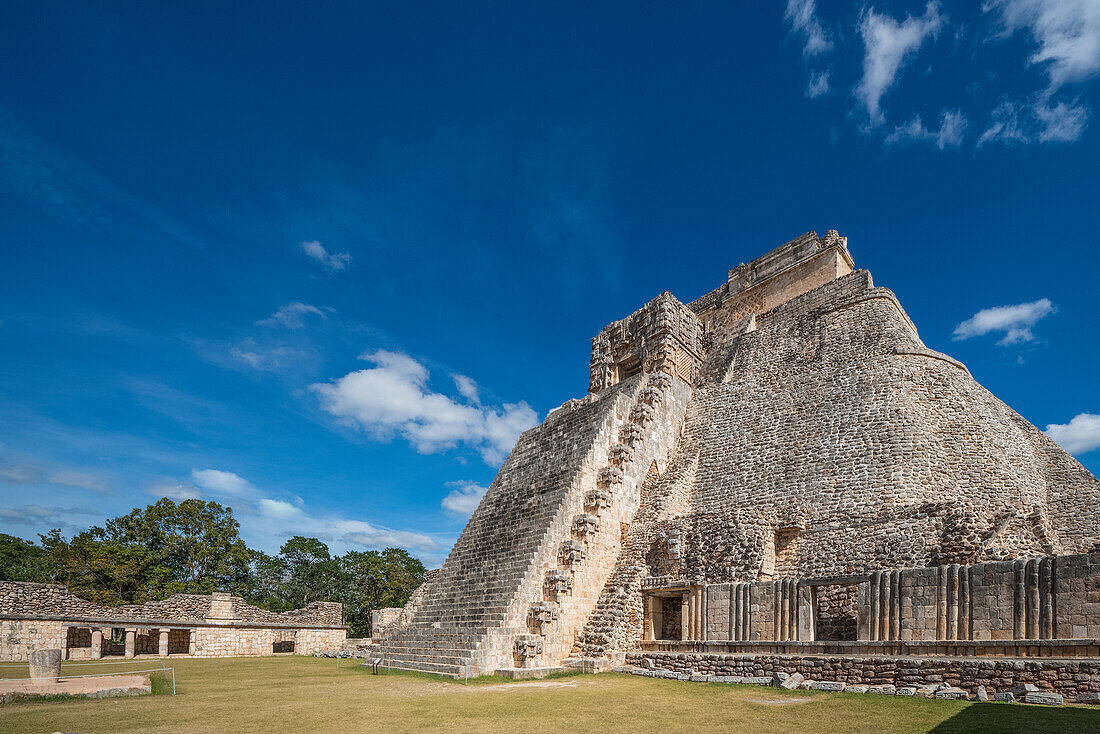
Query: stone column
x,y
162,647
192,643
131,639
806,613
685,617
97,644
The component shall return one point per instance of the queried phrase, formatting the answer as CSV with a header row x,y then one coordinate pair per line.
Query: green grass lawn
x,y
298,694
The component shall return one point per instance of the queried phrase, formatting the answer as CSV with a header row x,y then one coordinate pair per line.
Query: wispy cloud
x,y
1014,322
331,261
29,472
1033,121
818,84
1066,33
291,316
393,397
464,497
887,45
266,357
953,124
32,514
802,15
1079,436
67,189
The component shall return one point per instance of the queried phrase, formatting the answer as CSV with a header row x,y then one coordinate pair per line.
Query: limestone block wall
x,y
1077,596
18,637
314,640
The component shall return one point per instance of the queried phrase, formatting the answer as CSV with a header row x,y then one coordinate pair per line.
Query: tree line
x,y
195,547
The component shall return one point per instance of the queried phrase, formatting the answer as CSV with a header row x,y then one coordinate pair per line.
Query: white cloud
x,y
291,316
331,261
467,388
1062,123
1067,33
888,44
175,491
1079,436
953,124
818,84
464,497
803,18
278,509
393,397
1015,321
223,482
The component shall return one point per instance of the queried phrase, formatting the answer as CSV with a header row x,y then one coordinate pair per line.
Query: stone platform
x,y
100,686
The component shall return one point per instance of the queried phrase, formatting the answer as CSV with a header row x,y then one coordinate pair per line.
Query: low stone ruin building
x,y
778,469
40,616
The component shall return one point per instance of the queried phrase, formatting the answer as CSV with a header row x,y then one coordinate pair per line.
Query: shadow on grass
x,y
1009,718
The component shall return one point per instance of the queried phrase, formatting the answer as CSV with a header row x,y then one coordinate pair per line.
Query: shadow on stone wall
x,y
1009,718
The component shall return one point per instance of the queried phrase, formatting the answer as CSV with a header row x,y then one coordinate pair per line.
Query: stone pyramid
x,y
789,423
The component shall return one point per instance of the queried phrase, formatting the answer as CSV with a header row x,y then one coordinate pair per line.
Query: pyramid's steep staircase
x,y
531,563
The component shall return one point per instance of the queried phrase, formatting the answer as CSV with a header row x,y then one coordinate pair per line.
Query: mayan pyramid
x,y
789,423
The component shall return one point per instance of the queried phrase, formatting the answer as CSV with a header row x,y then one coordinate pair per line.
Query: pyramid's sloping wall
x,y
829,440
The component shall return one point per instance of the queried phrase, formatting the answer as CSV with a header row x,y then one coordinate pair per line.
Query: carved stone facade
x,y
786,429
39,616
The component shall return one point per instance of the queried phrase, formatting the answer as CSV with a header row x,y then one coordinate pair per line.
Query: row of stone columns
x,y
1033,609
885,605
740,599
785,623
130,648
693,618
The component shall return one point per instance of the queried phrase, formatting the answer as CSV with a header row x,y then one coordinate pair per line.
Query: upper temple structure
x,y
780,466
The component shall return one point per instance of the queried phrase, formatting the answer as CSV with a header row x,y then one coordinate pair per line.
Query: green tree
x,y
267,579
151,553
313,574
377,580
21,560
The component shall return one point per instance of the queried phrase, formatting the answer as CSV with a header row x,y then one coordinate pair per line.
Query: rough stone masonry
x,y
780,467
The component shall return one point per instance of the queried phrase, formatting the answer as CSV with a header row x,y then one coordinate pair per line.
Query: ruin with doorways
x,y
49,616
778,469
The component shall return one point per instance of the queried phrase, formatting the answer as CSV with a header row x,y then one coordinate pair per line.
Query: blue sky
x,y
323,265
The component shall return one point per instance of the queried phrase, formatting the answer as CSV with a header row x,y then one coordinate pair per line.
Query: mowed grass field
x,y
300,694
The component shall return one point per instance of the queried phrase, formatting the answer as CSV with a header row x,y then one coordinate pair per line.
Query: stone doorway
x,y
836,612
671,618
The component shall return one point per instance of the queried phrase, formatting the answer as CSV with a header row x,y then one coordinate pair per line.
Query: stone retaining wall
x,y
1070,678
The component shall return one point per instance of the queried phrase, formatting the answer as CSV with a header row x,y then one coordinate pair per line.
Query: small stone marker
x,y
45,665
1044,697
887,689
906,691
699,678
1006,696
726,679
982,694
1025,689
759,680
1093,697
856,689
828,685
953,694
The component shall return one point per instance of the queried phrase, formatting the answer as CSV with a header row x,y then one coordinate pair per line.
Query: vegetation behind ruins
x,y
194,547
